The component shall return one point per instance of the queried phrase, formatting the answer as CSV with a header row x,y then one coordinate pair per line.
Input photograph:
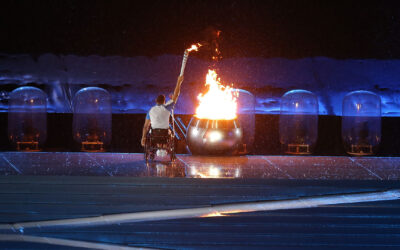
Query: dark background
x,y
291,29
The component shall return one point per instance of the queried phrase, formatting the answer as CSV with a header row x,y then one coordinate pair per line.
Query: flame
x,y
194,47
219,103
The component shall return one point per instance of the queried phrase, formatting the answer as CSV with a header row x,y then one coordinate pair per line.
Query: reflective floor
x,y
259,167
37,187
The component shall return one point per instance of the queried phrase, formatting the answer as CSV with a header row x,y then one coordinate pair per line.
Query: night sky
x,y
290,29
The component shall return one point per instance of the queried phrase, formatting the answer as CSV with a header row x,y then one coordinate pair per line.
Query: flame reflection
x,y
212,171
225,213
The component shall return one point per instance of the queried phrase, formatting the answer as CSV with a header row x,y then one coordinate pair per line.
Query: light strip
x,y
62,242
216,210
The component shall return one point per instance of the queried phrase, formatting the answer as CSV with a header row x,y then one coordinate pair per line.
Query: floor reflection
x,y
176,169
213,171
165,169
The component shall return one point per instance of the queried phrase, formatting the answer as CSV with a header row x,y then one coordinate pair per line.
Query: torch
x,y
194,47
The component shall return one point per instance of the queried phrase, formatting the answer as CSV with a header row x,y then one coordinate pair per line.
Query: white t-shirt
x,y
159,115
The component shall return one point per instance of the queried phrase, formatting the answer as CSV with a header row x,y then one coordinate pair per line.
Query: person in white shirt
x,y
158,115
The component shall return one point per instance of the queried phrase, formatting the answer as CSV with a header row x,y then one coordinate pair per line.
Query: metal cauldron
x,y
206,136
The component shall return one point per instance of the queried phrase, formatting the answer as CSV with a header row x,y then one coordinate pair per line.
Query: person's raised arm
x,y
177,90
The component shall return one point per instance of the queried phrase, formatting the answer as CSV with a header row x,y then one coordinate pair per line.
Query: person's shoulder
x,y
169,102
152,109
169,105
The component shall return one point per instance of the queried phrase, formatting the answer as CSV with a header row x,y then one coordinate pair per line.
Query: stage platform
x,y
243,167
93,187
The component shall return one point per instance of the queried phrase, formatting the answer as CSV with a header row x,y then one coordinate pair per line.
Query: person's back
x,y
159,115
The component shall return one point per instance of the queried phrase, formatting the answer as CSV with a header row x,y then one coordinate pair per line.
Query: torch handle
x,y
185,57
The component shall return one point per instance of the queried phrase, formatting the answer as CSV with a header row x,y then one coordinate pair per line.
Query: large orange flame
x,y
219,103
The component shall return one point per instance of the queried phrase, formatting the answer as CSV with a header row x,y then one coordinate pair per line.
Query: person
x,y
158,115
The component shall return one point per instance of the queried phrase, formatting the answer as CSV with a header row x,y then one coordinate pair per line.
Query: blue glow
x,y
134,82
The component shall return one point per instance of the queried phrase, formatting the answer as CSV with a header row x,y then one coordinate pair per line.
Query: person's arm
x,y
146,128
177,90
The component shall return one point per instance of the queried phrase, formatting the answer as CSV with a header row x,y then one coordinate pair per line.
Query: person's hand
x,y
143,142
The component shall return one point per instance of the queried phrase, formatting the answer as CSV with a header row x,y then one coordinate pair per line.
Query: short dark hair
x,y
160,99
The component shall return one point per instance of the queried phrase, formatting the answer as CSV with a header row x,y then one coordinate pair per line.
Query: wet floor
x,y
57,186
259,167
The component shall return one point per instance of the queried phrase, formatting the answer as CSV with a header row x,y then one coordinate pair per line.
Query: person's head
x,y
160,99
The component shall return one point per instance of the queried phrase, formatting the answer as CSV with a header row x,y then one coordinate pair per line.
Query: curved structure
x,y
361,122
92,119
298,121
209,137
27,118
246,117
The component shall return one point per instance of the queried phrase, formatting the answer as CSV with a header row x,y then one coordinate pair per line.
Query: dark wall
x,y
268,28
127,131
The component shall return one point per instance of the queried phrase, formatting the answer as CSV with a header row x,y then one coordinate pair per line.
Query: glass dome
x,y
27,118
298,121
92,119
246,117
361,122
